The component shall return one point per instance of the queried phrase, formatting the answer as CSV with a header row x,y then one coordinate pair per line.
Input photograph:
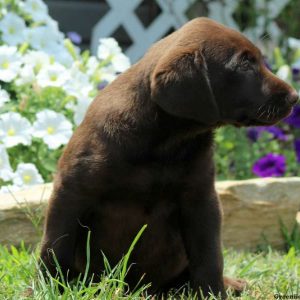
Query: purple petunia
x,y
254,133
74,37
277,133
296,70
270,165
294,118
297,149
102,85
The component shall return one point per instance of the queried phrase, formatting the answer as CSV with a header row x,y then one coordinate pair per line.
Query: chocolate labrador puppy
x,y
144,155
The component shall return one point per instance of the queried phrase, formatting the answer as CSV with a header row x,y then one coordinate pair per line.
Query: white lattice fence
x,y
122,13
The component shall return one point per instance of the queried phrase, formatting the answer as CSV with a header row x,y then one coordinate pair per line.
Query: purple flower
x,y
102,85
277,133
270,165
296,70
297,149
254,133
74,37
294,118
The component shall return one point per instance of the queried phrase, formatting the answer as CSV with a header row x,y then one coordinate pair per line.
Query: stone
x,y
22,215
252,210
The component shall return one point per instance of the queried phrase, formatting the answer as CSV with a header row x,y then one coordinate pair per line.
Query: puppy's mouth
x,y
274,115
266,117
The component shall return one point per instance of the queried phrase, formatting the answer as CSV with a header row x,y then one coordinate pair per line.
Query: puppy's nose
x,y
292,98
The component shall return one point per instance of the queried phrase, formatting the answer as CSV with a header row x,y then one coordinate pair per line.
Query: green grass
x,y
268,273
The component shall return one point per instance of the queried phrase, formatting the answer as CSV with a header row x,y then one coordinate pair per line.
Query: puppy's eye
x,y
246,63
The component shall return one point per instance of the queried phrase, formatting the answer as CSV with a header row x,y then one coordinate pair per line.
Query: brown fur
x,y
144,155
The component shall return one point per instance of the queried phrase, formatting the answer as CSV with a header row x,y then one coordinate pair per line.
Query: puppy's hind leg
x,y
60,233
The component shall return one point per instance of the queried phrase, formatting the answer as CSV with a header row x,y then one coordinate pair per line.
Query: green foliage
x,y
292,239
235,153
267,273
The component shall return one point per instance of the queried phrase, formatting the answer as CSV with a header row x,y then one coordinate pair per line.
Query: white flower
x,y
43,38
14,130
4,97
37,60
108,48
111,51
78,84
92,65
284,73
54,75
12,27
53,128
53,25
27,175
26,75
9,63
107,74
80,109
120,62
37,9
6,171
62,55
293,43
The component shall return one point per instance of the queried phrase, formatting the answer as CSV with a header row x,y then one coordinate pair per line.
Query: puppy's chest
x,y
149,182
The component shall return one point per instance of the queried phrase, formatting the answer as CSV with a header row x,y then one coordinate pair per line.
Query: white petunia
x,y
111,51
4,97
80,109
14,130
37,9
78,84
120,62
26,75
13,28
36,59
10,63
62,55
54,128
6,171
108,48
293,43
92,65
284,73
43,38
54,27
107,74
54,75
27,175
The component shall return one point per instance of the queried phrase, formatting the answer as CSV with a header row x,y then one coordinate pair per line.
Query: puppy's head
x,y
214,75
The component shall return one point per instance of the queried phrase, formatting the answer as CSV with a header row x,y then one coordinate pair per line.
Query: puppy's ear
x,y
180,86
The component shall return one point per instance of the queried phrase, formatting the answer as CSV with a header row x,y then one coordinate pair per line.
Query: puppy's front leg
x,y
201,225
